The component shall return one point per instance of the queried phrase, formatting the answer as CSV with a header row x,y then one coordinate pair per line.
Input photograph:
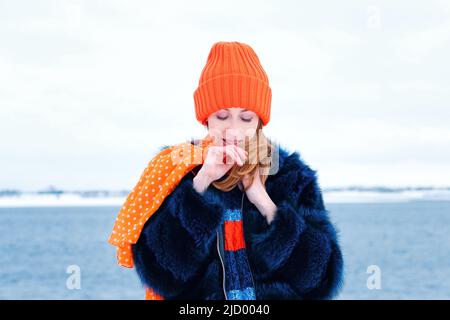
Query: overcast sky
x,y
90,89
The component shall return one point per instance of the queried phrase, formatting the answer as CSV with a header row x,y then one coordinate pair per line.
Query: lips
x,y
235,142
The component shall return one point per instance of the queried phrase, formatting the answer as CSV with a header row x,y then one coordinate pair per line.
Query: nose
x,y
233,134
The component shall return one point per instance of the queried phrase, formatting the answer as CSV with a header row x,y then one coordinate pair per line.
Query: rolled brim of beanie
x,y
233,90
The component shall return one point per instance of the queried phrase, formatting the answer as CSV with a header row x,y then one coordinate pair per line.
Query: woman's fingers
x,y
230,152
216,156
238,158
233,154
242,153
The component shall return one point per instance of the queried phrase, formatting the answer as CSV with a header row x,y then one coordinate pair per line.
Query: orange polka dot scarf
x,y
159,179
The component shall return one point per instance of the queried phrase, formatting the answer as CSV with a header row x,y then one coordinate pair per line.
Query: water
x,y
38,244
409,242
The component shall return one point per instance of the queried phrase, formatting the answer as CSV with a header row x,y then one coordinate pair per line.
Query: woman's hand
x,y
218,161
257,194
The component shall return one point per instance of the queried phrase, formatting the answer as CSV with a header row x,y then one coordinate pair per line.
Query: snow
x,y
341,196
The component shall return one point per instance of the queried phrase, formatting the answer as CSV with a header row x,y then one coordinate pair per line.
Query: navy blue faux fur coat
x,y
297,256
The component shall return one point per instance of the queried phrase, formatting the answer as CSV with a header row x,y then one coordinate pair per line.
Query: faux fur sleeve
x,y
300,247
176,242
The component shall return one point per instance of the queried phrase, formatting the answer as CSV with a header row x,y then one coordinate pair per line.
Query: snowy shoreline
x,y
378,197
68,199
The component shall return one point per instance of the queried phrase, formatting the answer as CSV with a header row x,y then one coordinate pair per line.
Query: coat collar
x,y
292,175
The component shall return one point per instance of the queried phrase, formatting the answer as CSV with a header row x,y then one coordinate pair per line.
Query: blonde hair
x,y
259,161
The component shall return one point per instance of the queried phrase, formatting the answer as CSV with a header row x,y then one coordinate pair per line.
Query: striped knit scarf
x,y
239,283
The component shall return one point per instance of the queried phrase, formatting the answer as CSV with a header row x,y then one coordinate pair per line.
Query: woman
x,y
250,221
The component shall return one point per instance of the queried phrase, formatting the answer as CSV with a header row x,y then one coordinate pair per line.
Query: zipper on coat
x,y
223,265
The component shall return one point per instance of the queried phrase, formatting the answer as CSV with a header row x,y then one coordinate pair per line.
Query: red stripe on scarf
x,y
234,235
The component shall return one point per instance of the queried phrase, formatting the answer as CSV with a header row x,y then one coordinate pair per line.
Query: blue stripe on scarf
x,y
232,215
236,268
246,294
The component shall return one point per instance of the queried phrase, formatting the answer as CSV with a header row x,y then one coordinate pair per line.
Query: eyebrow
x,y
228,109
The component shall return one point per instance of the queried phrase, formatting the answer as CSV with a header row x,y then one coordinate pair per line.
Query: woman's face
x,y
232,125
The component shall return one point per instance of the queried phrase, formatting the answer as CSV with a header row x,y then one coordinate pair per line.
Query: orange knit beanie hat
x,y
232,77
